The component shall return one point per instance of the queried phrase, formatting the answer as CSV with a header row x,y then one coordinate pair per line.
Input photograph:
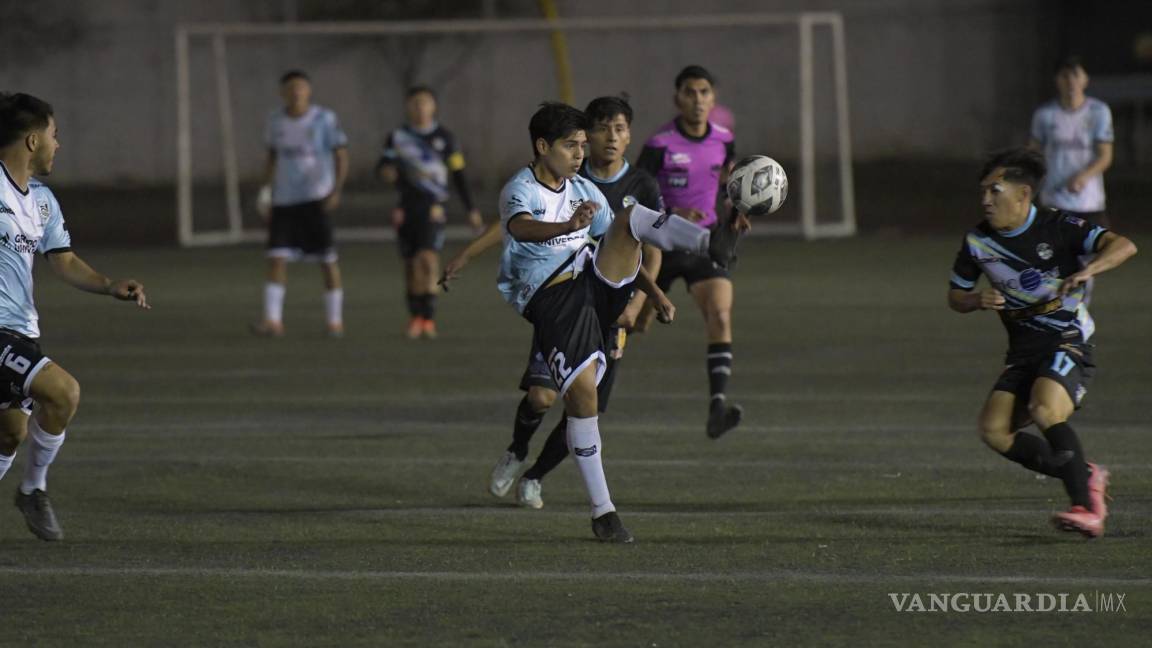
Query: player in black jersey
x,y
1031,258
418,158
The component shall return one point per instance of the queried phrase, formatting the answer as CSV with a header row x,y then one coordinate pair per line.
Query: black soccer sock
x,y
413,305
1067,452
429,306
527,421
719,369
554,452
1035,454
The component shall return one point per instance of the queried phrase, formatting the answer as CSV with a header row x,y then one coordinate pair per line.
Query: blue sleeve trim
x,y
961,282
1093,237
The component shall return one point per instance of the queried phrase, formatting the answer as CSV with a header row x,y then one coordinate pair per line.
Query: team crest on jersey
x,y
438,143
45,212
628,201
1044,251
574,204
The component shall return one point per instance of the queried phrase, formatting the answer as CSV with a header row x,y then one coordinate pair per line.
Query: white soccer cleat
x,y
504,474
528,493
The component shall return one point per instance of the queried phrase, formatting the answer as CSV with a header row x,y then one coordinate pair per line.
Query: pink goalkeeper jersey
x,y
688,168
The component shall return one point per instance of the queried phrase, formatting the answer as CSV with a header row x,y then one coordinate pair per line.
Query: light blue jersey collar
x,y
598,180
1023,228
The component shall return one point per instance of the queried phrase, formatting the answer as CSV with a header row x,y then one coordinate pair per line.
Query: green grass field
x,y
221,489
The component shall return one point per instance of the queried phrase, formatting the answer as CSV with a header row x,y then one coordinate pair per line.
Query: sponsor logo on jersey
x,y
680,158
538,212
19,243
5,209
678,182
1044,251
1031,279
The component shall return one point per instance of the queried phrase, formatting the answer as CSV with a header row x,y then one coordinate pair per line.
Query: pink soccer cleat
x,y
1079,519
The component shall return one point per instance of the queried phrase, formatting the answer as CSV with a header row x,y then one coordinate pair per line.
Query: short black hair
x,y
21,114
293,74
1070,62
694,72
555,120
1021,165
419,89
606,108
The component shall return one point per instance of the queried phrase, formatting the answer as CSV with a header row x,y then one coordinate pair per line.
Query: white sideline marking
x,y
649,576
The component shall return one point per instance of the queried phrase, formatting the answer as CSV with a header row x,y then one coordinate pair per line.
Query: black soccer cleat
x,y
609,528
723,417
722,241
38,514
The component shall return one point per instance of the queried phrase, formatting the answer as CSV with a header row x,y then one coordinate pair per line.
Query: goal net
x,y
782,76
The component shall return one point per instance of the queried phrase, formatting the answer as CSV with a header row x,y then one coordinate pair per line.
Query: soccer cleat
x,y
1079,519
504,474
722,241
609,528
267,329
38,514
723,417
415,328
428,329
528,493
1098,490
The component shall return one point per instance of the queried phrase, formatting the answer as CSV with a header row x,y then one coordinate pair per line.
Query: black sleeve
x,y
1082,236
965,270
729,152
388,156
651,160
648,192
461,182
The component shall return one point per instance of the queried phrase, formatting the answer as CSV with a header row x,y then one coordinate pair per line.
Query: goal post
x,y
229,226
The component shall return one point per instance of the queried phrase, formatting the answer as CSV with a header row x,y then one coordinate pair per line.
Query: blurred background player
x,y
1074,132
622,184
418,158
690,157
1032,259
30,223
306,169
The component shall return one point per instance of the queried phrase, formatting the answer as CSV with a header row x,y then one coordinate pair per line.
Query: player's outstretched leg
x,y
587,448
57,395
554,452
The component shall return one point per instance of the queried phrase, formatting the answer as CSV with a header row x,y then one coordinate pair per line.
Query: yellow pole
x,y
560,53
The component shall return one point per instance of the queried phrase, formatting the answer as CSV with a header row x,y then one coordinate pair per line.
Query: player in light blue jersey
x,y
31,223
306,169
572,289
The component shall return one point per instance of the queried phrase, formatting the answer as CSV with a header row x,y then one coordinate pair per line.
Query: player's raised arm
x,y
74,271
1114,250
488,239
524,228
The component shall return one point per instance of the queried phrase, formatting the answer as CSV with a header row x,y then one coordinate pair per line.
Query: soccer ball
x,y
758,185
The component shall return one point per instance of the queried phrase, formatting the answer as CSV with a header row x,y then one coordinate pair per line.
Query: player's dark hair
x,y
606,108
293,74
419,89
694,72
1070,62
1021,165
555,120
21,114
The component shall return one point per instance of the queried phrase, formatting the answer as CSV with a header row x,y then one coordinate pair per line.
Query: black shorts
x,y
692,267
20,361
536,374
572,321
422,229
1069,364
301,232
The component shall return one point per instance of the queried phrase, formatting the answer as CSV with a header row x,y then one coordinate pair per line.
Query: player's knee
x,y
541,399
719,319
995,435
1045,415
64,398
10,438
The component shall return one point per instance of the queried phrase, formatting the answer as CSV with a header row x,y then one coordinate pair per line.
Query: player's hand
x,y
264,203
694,215
665,309
397,218
1072,282
451,271
1076,184
742,223
991,299
627,319
476,221
582,217
129,290
332,201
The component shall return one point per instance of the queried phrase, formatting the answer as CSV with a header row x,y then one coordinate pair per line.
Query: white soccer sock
x,y
44,447
668,231
584,442
274,302
334,306
5,464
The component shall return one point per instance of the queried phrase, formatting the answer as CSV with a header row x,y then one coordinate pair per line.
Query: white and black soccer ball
x,y
758,185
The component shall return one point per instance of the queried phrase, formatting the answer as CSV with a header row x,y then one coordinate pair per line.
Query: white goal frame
x,y
806,22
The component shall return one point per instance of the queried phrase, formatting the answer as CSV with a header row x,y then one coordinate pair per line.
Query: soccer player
x,y
622,185
690,157
306,168
418,158
572,290
1074,132
1031,256
31,222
